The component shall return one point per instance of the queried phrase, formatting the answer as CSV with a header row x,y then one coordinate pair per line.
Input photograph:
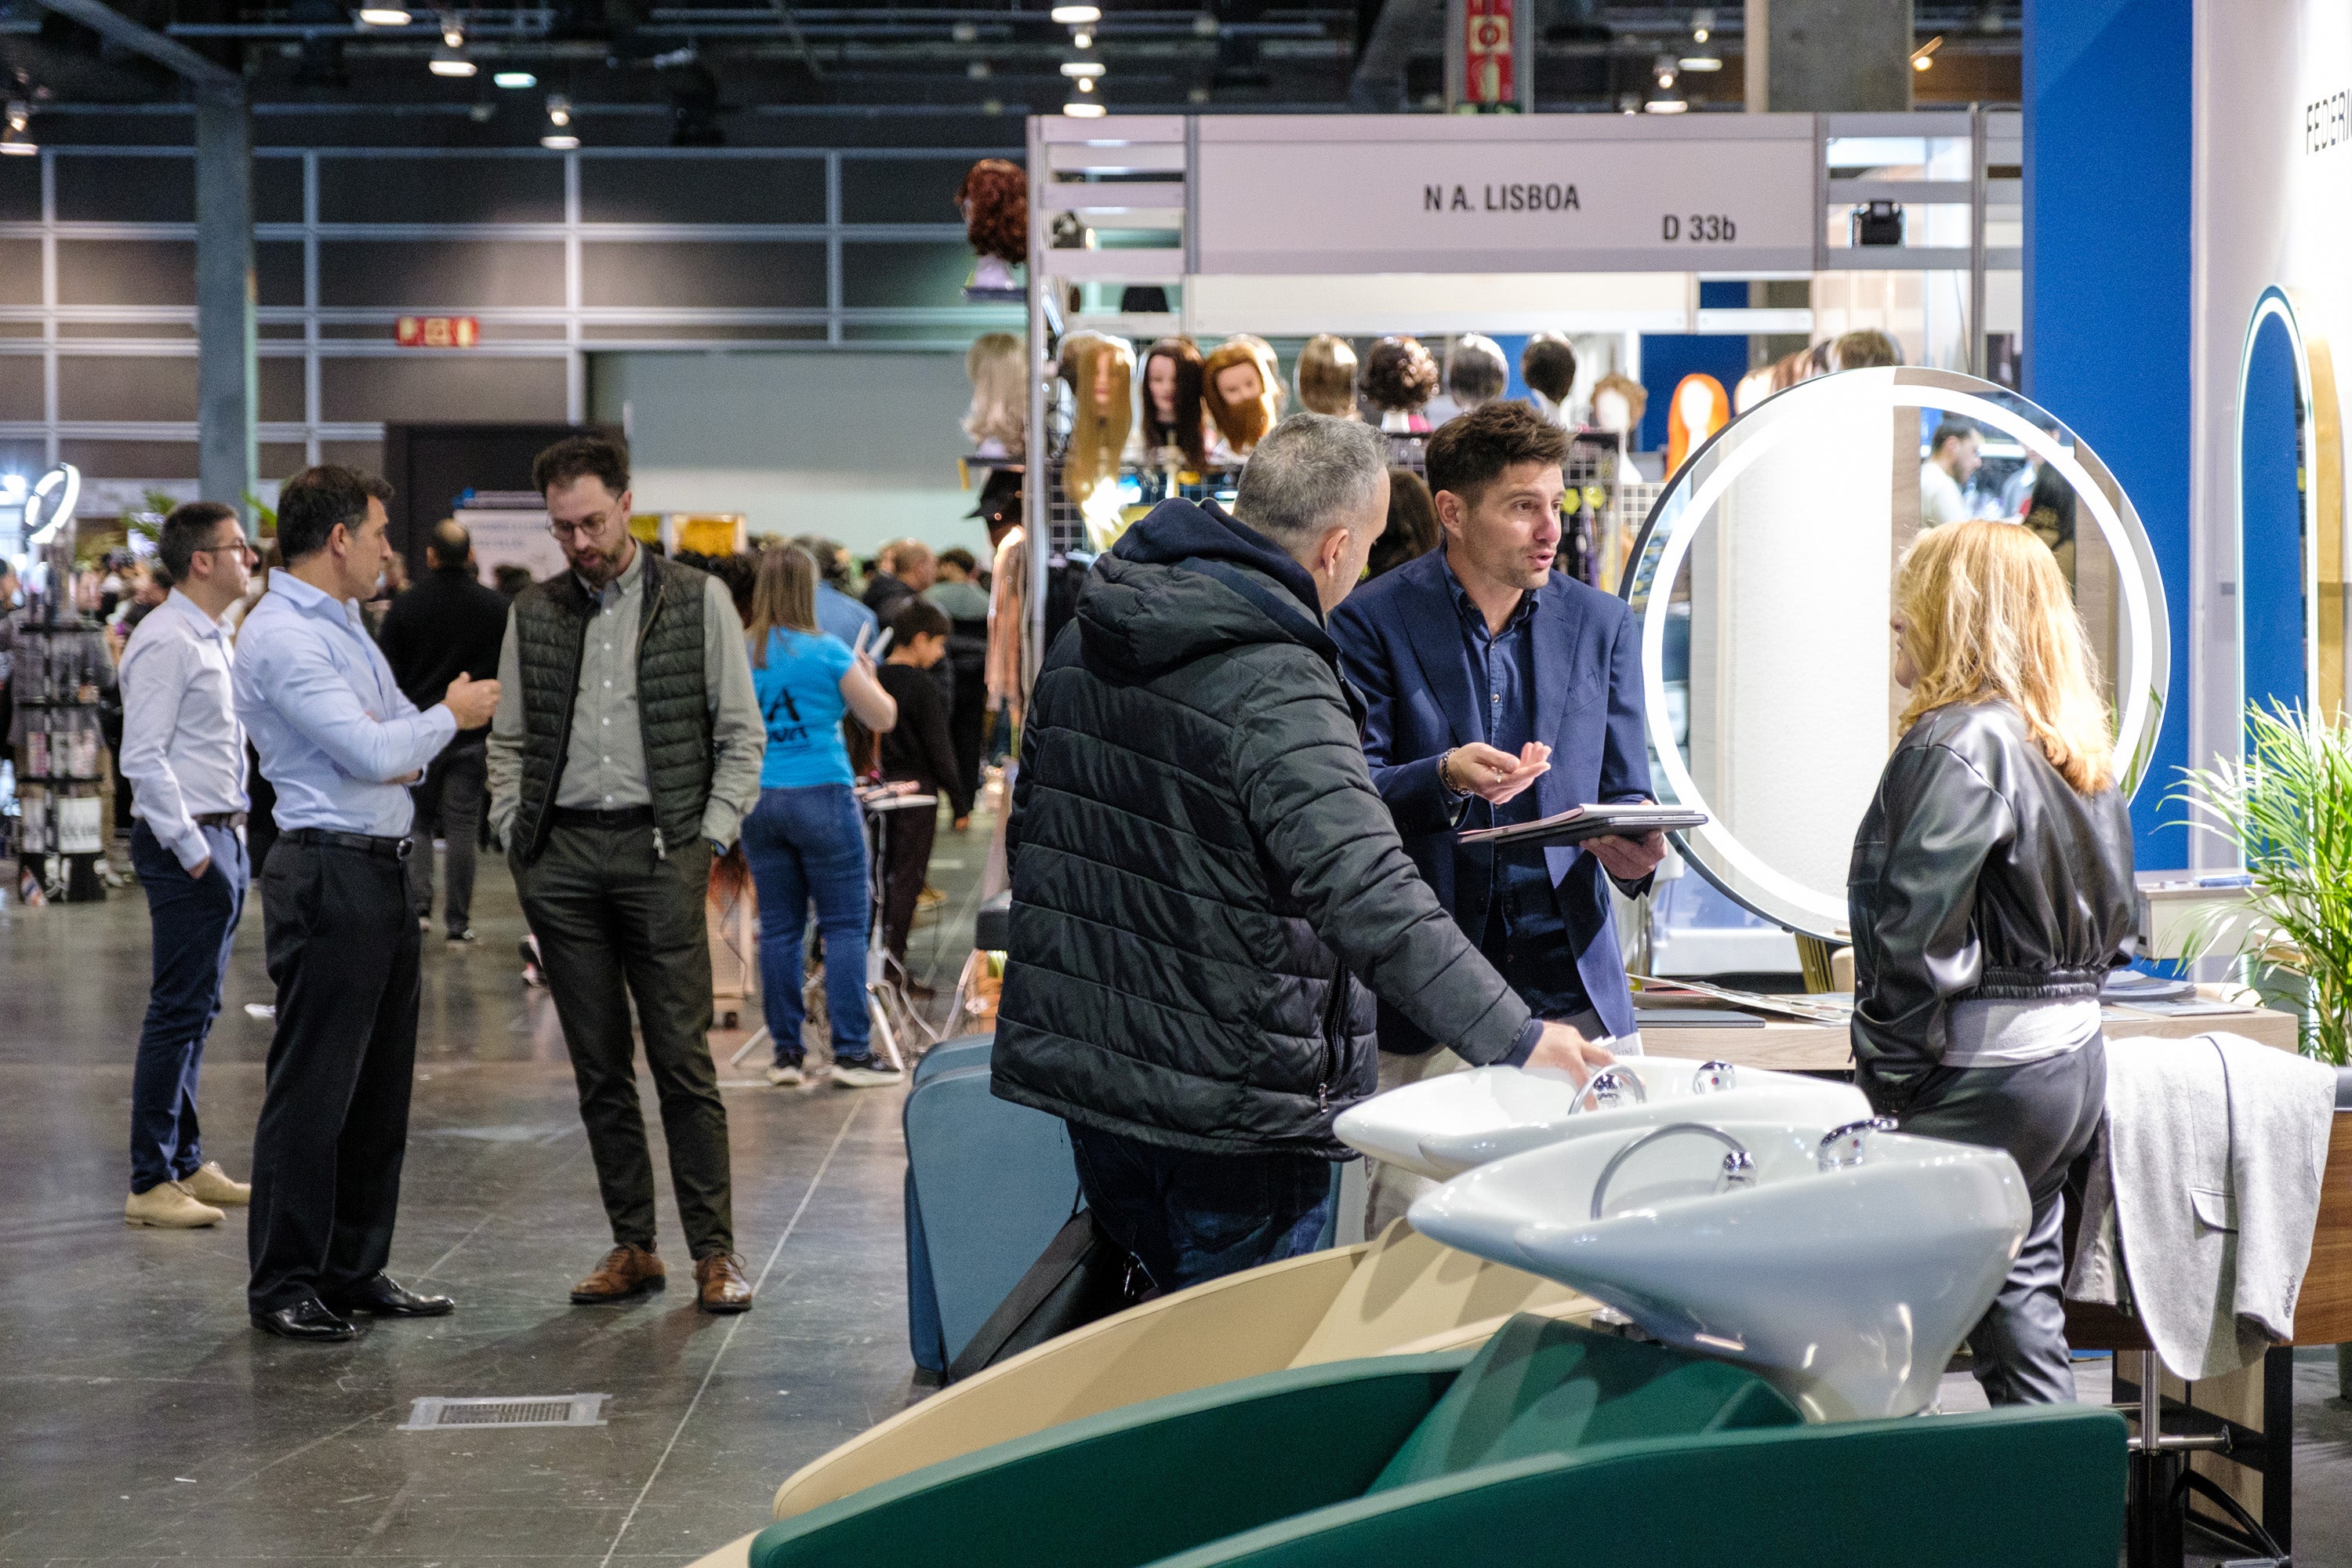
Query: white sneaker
x,y
872,1075
785,1077
208,1184
169,1206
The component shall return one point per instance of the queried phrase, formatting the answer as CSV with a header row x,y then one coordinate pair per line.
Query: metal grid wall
x,y
554,337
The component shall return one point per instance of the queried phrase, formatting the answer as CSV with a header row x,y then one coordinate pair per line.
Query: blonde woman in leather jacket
x,y
1990,892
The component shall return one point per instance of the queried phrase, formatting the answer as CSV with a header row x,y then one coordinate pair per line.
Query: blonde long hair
x,y
1987,614
783,598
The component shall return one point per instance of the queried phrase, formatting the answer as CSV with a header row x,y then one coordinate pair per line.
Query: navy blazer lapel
x,y
1556,622
1435,628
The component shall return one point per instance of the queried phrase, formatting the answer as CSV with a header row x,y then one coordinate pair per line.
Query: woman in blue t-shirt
x,y
806,838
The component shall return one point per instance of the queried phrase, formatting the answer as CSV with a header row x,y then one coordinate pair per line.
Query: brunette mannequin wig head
x,y
1243,424
997,364
994,201
1475,371
1400,376
1326,376
1100,370
1183,432
1548,365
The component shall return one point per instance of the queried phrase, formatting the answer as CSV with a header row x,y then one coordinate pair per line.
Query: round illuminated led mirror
x,y
1763,581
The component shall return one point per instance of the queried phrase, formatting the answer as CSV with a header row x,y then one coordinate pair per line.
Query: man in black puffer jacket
x,y
1202,871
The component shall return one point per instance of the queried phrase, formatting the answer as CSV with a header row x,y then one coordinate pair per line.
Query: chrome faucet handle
x,y
1738,1168
1713,1077
1608,1087
1841,1147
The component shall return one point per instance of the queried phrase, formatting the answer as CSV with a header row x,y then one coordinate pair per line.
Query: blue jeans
x,y
806,844
1191,1217
194,925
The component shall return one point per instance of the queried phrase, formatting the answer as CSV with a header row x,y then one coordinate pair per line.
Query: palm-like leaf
x,y
2286,809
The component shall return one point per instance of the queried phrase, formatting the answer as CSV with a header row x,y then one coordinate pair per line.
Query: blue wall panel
x,y
1667,358
2270,574
2108,89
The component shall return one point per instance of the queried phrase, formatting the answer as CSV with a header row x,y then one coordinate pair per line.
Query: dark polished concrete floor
x,y
143,1421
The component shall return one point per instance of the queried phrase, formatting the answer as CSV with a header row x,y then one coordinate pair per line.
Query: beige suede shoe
x,y
169,1206
208,1184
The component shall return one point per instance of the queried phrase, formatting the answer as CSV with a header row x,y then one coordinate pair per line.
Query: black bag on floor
x,y
1081,1276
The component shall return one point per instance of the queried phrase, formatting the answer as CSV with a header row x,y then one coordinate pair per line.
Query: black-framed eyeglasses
x,y
243,547
592,527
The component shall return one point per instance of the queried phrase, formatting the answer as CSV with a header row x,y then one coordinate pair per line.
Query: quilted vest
x,y
672,707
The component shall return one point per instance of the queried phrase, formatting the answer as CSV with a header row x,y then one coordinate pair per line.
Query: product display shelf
x,y
60,826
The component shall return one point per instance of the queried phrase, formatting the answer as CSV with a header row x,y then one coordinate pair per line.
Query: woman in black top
x,y
1991,893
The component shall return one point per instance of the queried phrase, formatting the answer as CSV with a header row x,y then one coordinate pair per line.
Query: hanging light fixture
x,y
447,62
1664,98
561,142
384,16
1076,16
515,79
1699,57
1082,108
453,31
14,142
1924,57
559,111
1086,70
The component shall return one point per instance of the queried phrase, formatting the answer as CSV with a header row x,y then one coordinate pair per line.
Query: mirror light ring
x,y
1859,392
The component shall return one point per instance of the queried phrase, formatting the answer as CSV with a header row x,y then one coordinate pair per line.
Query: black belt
x,y
220,819
365,843
581,816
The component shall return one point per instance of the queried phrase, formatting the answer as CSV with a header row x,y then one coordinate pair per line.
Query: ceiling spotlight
x,y
1085,84
515,78
1923,57
558,110
453,31
559,144
992,106
977,70
1664,100
965,32
1198,94
1076,16
384,16
1082,110
1083,38
1205,26
1701,24
449,63
1083,68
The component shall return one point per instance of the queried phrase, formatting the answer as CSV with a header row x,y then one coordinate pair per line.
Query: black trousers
x,y
616,923
450,806
968,728
334,1114
906,861
2045,1114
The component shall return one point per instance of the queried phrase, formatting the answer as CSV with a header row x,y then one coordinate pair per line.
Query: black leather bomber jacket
x,y
1978,872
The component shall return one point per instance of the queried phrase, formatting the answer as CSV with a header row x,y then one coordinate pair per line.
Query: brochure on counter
x,y
1578,822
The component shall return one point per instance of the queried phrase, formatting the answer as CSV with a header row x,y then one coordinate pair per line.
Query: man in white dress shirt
x,y
339,744
1952,457
184,752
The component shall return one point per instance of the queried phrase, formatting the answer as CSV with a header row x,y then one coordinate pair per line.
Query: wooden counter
x,y
1792,1047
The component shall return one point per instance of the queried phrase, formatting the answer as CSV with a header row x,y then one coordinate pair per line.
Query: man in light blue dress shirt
x,y
184,752
340,746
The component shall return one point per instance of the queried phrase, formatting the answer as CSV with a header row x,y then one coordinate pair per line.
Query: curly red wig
x,y
994,201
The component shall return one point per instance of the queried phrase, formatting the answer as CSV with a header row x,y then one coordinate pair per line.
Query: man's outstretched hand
x,y
1492,774
1562,1050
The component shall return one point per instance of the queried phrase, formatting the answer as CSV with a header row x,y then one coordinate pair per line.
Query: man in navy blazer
x,y
1499,690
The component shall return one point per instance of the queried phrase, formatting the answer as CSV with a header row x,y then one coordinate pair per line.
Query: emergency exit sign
x,y
436,331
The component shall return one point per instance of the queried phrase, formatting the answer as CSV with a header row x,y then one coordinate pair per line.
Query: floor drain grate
x,y
434,1413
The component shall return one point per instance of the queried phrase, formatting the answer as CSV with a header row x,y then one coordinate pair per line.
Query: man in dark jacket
x,y
448,624
1202,870
905,569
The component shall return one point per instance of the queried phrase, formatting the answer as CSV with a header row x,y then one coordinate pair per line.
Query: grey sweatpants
x,y
2045,1114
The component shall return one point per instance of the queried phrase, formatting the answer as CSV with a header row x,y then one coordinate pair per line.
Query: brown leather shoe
x,y
626,1272
720,1283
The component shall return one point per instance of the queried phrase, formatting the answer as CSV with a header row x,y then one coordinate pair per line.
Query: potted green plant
x,y
2286,808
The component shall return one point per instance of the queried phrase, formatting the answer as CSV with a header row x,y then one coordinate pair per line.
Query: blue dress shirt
x,y
1524,934
335,735
841,615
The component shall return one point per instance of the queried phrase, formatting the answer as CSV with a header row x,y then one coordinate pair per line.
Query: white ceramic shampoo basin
x,y
1444,1126
1844,1268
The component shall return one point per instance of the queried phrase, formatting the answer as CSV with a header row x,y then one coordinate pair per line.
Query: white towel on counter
x,y
2207,1171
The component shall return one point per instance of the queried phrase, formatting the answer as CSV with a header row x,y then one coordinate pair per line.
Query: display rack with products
x,y
62,664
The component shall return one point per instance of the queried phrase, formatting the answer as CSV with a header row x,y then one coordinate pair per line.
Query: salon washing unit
x,y
1551,1444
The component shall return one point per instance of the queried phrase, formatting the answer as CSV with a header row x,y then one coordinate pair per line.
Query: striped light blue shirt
x,y
336,737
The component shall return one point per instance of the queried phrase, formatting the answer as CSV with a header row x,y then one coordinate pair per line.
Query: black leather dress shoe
x,y
307,1320
384,1297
